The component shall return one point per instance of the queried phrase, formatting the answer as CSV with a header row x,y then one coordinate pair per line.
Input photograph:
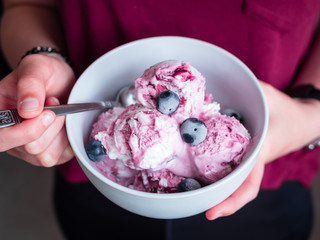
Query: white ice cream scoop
x,y
125,97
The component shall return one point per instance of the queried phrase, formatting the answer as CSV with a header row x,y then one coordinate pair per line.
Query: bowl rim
x,y
84,162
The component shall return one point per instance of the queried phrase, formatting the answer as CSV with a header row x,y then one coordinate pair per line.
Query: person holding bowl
x,y
277,40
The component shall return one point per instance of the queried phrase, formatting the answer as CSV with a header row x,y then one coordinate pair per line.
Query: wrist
x,y
306,91
48,51
310,95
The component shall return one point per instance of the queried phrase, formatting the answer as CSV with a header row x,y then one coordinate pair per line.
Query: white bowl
x,y
232,84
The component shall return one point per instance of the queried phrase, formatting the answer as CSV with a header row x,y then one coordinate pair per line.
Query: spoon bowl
x,y
124,98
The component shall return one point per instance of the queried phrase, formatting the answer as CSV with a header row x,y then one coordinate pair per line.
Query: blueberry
x,y
232,113
95,150
167,102
188,184
193,131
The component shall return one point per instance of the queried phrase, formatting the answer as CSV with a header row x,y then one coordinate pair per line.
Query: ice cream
x,y
173,138
178,77
142,138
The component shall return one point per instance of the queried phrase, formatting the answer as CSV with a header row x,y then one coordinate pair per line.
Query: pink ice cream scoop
x,y
139,142
141,137
178,77
220,152
223,149
148,149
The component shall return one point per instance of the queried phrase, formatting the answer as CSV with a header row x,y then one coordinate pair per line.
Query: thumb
x,y
31,89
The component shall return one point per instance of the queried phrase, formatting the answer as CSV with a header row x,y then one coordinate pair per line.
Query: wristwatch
x,y
307,91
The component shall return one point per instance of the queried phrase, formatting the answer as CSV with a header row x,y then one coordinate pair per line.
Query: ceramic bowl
x,y
230,81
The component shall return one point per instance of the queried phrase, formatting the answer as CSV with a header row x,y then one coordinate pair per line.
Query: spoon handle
x,y
65,109
11,117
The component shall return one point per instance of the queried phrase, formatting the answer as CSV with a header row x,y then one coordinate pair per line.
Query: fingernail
x,y
56,101
216,216
29,104
47,119
47,160
68,153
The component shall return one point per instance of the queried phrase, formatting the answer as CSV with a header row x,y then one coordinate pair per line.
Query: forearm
x,y
26,24
310,74
294,123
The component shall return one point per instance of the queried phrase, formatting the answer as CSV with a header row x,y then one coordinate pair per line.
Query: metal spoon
x,y
125,97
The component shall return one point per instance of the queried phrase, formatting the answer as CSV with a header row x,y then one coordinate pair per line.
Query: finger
x,y
26,131
58,152
244,194
21,154
33,72
52,101
40,144
53,154
8,91
67,155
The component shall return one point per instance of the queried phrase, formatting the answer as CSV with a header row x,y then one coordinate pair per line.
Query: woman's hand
x,y
40,139
287,120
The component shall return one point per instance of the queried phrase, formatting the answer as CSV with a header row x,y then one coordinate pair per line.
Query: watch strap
x,y
305,91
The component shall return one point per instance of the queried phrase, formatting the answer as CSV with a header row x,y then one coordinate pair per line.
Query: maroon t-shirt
x,y
271,36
